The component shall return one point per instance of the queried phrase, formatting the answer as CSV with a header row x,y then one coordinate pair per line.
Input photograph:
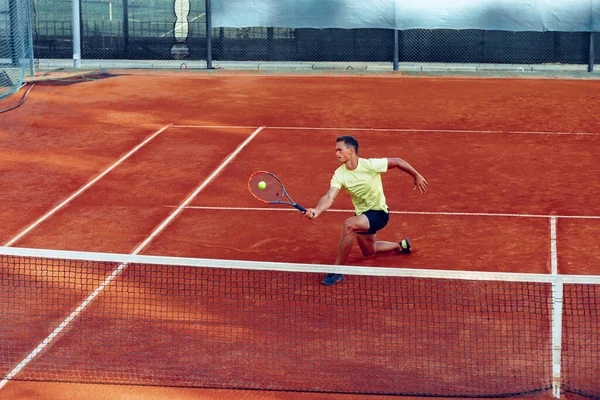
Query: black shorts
x,y
378,219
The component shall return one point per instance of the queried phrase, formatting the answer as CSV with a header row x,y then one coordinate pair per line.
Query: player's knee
x,y
350,227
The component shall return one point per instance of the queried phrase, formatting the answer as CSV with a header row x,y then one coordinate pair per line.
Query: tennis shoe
x,y
405,246
332,279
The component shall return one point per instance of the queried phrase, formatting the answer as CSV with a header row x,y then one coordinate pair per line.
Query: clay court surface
x,y
98,165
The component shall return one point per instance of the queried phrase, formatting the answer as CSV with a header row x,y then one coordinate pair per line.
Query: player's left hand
x,y
420,183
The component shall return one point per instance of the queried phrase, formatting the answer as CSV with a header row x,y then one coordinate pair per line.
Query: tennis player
x,y
361,177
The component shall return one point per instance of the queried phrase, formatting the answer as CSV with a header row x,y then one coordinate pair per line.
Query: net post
x,y
557,308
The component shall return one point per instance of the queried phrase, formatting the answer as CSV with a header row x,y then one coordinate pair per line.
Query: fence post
x,y
208,35
270,35
591,53
396,56
30,38
13,21
76,28
126,28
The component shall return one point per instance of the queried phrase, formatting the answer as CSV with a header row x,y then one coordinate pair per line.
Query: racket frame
x,y
284,192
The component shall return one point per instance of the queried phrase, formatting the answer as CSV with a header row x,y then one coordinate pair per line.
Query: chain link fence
x,y
16,52
177,29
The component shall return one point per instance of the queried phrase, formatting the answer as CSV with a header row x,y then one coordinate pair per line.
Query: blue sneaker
x,y
332,279
405,246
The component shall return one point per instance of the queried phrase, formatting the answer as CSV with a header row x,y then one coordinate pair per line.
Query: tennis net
x,y
124,319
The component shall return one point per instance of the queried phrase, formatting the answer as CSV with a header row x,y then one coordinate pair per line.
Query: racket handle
x,y
299,207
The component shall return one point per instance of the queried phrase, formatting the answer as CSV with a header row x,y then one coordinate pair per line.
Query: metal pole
x,y
270,35
591,53
126,28
557,309
13,22
396,56
76,27
208,35
30,38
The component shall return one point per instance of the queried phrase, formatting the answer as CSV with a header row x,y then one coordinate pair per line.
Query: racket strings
x,y
273,191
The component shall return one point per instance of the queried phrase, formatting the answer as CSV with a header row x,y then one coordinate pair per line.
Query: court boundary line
x,y
444,213
85,187
191,197
214,127
396,130
123,265
72,316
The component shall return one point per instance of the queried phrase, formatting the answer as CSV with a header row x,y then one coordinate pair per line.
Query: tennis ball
x,y
262,185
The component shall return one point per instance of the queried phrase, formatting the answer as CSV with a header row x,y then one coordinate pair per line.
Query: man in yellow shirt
x,y
361,177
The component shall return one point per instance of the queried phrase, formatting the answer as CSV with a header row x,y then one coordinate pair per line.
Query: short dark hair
x,y
349,141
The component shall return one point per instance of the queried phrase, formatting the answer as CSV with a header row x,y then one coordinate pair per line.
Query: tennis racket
x,y
273,192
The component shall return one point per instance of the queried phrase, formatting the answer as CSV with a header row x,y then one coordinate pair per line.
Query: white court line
x,y
62,326
214,126
439,130
84,188
553,253
398,212
122,266
195,193
399,130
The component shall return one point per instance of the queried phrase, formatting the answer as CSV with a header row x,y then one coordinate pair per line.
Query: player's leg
x,y
351,227
369,245
368,242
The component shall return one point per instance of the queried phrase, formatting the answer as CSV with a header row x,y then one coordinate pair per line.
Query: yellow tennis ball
x,y
262,185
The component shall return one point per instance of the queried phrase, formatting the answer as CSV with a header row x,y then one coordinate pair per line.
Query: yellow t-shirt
x,y
363,183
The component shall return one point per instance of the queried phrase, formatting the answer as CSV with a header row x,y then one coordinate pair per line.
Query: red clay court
x,y
157,164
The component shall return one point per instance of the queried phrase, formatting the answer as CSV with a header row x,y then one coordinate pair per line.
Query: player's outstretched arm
x,y
399,163
324,203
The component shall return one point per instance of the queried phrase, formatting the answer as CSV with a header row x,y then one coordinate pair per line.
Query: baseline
x,y
399,130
